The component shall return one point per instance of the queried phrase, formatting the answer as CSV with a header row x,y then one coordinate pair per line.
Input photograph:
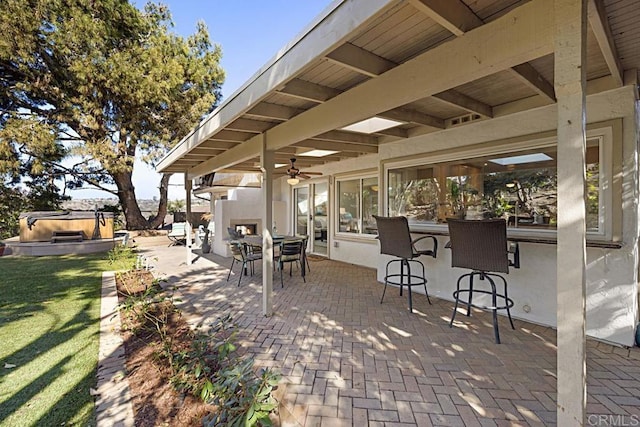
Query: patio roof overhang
x,y
431,65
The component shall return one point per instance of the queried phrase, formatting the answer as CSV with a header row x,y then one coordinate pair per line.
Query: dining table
x,y
255,241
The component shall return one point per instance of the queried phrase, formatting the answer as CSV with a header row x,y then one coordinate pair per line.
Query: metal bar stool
x,y
395,240
482,247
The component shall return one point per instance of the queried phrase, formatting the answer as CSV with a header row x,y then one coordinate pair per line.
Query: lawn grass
x,y
49,329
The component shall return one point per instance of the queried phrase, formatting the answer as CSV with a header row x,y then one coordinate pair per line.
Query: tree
x,y
175,206
39,191
103,81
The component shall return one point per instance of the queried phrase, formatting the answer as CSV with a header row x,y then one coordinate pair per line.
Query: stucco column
x,y
570,84
187,188
267,166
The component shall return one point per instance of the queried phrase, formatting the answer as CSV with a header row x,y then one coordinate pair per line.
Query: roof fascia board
x,y
329,30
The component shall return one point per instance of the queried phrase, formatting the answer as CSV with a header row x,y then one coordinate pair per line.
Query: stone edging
x,y
114,406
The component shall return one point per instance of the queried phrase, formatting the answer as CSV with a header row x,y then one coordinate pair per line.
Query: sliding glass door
x,y
311,215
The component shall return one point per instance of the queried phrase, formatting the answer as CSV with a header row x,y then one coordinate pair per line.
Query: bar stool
x,y
395,240
481,245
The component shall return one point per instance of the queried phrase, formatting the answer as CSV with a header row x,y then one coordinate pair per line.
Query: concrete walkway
x,y
348,360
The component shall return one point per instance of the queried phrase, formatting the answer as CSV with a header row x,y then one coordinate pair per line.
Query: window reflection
x,y
519,187
357,203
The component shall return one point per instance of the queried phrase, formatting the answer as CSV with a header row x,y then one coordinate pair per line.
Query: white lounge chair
x,y
178,234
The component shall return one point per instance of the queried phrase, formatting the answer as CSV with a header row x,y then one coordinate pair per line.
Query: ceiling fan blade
x,y
312,173
303,175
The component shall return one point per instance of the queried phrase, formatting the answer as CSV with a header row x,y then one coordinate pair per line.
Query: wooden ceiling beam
x,y
308,91
248,125
301,162
193,155
532,78
312,161
274,111
231,136
207,151
372,65
465,102
288,149
600,26
212,145
360,60
243,168
395,132
336,146
344,136
456,17
453,15
412,116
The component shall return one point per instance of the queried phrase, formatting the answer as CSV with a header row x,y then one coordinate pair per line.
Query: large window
x,y
357,203
519,186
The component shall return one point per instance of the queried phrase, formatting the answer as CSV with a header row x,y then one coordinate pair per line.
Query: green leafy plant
x,y
123,257
243,398
211,369
194,366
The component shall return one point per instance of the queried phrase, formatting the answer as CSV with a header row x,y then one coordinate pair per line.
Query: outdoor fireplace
x,y
246,226
247,229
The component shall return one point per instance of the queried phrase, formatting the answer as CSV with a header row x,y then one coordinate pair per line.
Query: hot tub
x,y
42,226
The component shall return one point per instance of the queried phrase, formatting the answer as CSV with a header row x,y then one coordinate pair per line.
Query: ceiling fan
x,y
294,173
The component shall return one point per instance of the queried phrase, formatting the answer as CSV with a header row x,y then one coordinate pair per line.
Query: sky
x,y
250,33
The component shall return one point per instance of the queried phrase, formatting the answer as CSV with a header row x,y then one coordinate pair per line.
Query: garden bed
x,y
155,400
184,377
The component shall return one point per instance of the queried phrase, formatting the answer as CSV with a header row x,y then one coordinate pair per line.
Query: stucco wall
x,y
612,302
243,203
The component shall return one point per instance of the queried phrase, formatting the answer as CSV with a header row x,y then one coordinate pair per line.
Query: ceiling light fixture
x,y
293,181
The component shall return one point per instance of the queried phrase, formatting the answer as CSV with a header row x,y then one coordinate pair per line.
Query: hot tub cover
x,y
64,214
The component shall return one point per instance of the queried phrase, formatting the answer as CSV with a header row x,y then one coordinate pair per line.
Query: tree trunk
x,y
162,204
127,196
133,216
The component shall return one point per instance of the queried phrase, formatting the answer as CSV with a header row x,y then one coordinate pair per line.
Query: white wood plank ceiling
x,y
357,68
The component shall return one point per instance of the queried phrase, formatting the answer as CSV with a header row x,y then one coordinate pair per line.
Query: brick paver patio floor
x,y
348,360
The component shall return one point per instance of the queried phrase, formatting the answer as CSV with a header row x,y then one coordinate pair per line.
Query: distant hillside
x,y
197,205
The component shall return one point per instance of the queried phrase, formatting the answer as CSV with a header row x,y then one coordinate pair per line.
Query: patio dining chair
x,y
305,242
234,234
481,246
291,251
395,240
241,256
